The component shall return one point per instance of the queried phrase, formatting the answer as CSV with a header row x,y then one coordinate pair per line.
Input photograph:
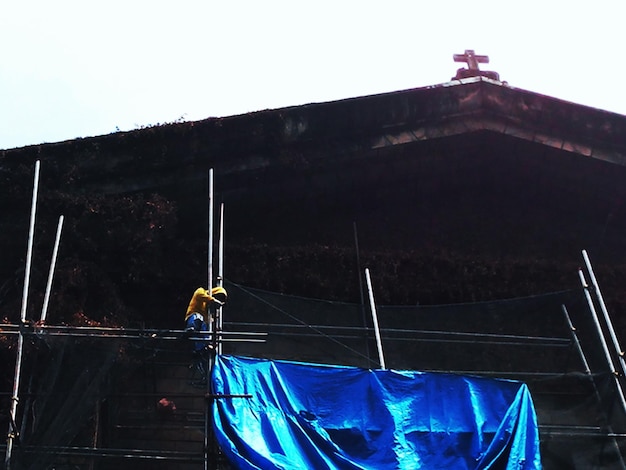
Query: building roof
x,y
463,191
311,133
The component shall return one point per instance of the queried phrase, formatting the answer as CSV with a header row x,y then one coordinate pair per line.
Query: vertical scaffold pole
x,y
12,434
31,236
220,275
379,345
210,232
55,252
208,437
605,347
605,313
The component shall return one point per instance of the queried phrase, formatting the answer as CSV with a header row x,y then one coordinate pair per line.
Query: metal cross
x,y
471,59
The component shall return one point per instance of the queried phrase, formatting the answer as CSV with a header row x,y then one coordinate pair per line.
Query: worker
x,y
201,306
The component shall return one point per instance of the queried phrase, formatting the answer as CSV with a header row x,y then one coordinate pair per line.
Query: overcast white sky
x,y
79,68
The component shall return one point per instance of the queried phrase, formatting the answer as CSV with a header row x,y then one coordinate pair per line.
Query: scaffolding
x,y
102,398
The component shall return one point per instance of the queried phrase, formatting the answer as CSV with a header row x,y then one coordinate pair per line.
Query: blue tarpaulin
x,y
313,416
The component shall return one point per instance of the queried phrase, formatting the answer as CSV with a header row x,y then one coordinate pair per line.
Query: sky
x,y
79,68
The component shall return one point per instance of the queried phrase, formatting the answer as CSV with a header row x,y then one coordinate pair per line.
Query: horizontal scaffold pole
x,y
110,332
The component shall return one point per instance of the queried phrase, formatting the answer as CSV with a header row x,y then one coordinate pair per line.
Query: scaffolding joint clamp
x,y
26,326
217,396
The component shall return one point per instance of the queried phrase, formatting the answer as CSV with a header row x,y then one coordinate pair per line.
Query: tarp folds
x,y
311,416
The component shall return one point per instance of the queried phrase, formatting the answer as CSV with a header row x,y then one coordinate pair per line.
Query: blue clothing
x,y
195,322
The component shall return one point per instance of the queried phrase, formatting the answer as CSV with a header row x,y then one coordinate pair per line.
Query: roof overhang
x,y
461,107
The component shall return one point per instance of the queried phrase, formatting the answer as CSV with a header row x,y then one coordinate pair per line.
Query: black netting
x,y
96,398
580,414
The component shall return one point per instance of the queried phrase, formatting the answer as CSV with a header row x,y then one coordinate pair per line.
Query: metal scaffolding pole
x,y
220,277
605,312
381,357
210,233
31,236
13,433
208,437
605,348
118,333
210,449
55,251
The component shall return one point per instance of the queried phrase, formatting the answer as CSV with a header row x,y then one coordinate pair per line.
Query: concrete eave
x,y
327,135
459,107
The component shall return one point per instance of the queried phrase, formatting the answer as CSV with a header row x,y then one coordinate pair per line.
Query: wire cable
x,y
302,322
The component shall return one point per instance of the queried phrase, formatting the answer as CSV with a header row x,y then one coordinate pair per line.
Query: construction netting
x,y
104,398
550,342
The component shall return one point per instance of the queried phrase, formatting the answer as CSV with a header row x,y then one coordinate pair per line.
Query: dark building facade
x,y
464,192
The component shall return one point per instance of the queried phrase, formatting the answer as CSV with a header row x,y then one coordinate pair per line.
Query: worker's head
x,y
219,293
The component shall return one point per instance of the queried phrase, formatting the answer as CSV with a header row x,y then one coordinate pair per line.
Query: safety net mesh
x,y
98,398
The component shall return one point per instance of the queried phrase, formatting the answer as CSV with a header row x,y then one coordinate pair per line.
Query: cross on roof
x,y
471,59
472,69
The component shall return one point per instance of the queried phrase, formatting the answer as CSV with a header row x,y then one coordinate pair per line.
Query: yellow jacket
x,y
200,301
